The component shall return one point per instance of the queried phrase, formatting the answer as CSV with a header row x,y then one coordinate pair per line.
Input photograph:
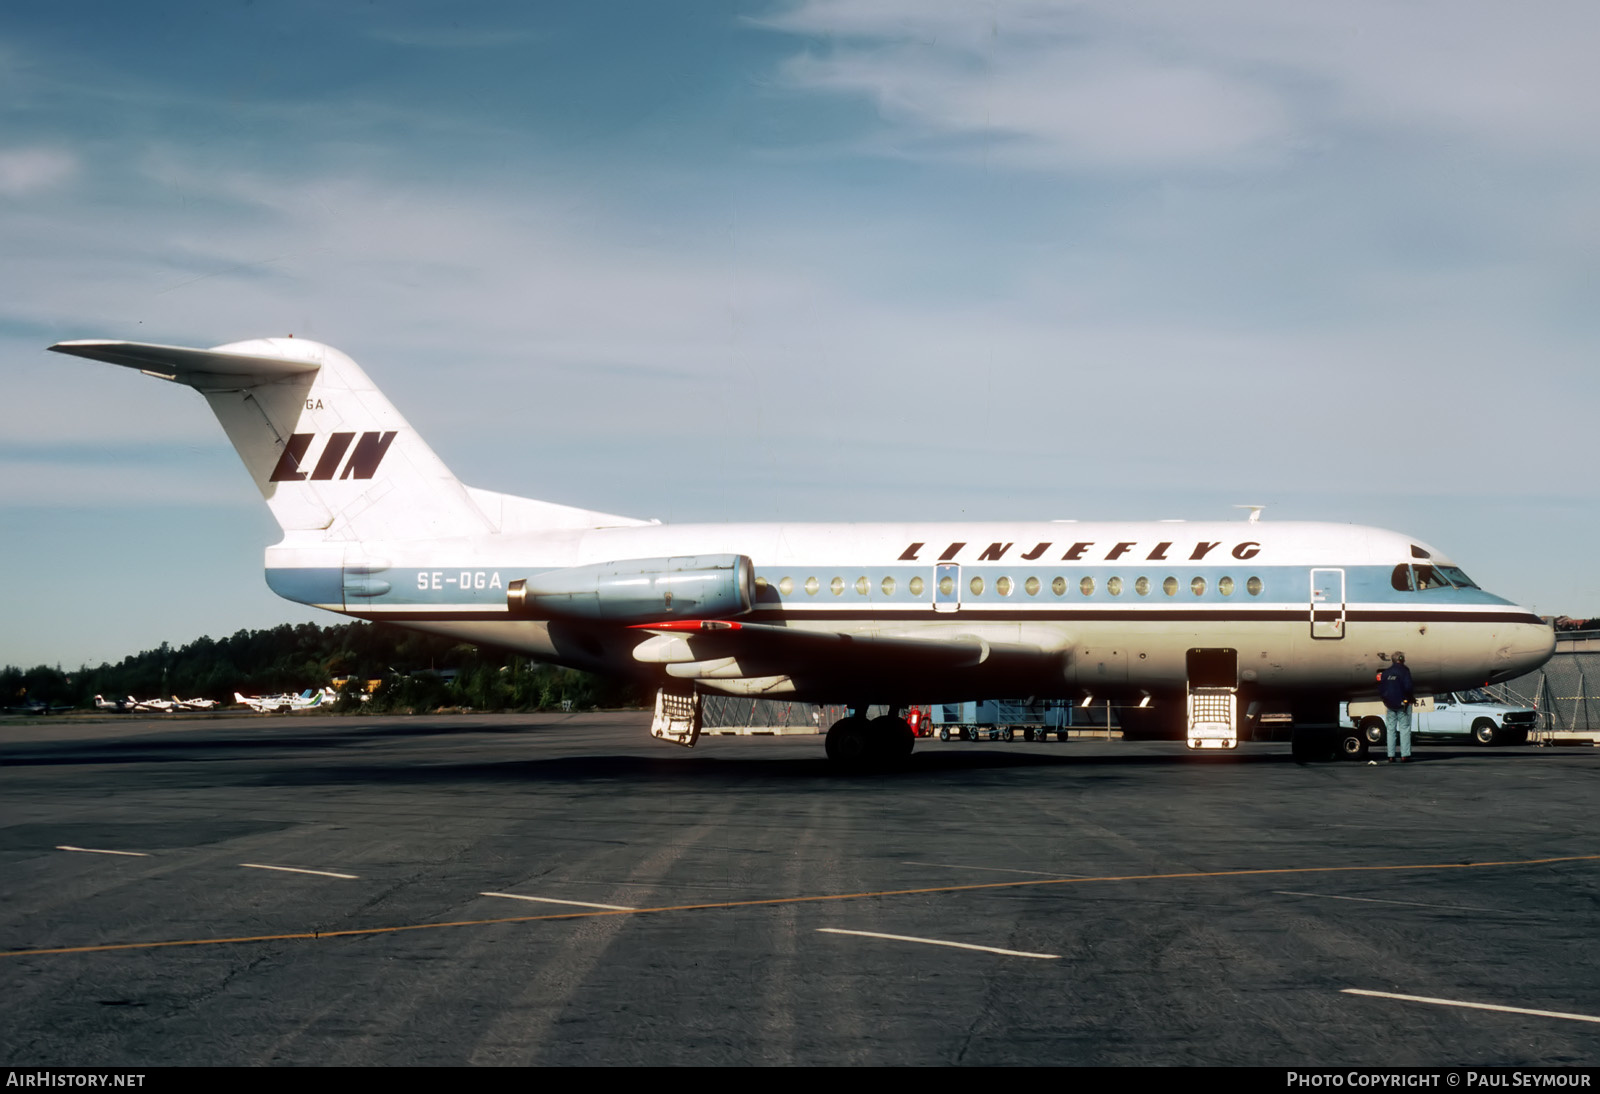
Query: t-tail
x,y
335,461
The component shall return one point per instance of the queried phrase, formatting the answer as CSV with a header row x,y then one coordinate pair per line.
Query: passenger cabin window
x,y
915,585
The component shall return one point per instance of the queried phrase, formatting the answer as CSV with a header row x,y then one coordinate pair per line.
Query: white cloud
x,y
1120,82
1068,108
25,171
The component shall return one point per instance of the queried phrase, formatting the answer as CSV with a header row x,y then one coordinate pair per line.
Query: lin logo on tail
x,y
363,462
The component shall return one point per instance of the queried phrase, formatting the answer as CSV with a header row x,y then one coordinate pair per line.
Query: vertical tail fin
x,y
330,454
327,451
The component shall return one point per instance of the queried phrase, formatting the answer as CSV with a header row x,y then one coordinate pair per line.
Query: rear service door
x,y
1327,603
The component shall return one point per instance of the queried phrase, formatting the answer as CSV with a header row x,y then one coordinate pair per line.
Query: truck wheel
x,y
1374,730
1485,732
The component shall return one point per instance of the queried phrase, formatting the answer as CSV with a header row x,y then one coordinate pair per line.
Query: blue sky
x,y
875,259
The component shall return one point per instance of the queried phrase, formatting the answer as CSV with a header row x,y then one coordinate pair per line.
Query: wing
x,y
764,659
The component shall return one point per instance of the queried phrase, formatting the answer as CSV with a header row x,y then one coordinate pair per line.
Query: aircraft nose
x,y
1521,649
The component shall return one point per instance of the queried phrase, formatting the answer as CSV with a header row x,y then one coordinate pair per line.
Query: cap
x,y
1398,657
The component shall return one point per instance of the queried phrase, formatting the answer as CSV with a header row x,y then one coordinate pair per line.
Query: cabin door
x,y
1327,604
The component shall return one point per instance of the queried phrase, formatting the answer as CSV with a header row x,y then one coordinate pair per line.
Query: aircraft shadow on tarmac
x,y
321,759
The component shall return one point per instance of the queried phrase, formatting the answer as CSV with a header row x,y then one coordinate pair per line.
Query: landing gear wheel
x,y
1314,746
892,739
848,742
1485,732
1353,745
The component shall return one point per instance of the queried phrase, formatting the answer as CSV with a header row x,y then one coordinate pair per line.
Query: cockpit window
x,y
1456,577
1401,578
1429,577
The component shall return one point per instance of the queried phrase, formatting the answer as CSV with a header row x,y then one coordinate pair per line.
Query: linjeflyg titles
x,y
1087,551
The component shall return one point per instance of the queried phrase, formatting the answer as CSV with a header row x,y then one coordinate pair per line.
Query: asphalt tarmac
x,y
318,890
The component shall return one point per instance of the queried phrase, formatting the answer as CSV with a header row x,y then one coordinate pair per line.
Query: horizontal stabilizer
x,y
205,368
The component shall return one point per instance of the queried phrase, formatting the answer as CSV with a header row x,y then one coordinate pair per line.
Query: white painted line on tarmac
x,y
572,903
101,851
941,942
990,869
298,870
1473,1006
1406,903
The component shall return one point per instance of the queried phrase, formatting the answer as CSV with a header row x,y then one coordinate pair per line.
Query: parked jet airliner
x,y
1198,628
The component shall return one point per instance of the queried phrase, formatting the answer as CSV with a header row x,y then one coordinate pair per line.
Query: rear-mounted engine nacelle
x,y
640,590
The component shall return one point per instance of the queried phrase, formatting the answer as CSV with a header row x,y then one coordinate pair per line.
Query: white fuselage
x,y
1107,608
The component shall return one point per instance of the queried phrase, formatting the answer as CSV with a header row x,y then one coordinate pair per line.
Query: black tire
x,y
1485,732
1314,746
848,743
1006,734
1353,745
1374,730
944,733
891,739
1061,735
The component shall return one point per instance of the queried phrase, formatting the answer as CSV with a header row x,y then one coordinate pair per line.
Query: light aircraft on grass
x,y
1198,629
282,704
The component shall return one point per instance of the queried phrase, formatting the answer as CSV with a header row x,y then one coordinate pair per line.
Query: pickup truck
x,y
1460,715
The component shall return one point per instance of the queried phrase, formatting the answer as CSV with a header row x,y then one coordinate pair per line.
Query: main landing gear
x,y
857,741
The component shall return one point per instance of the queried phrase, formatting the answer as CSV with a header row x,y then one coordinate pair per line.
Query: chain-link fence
x,y
729,714
1567,689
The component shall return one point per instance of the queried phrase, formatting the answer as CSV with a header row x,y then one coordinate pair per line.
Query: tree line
x,y
415,671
